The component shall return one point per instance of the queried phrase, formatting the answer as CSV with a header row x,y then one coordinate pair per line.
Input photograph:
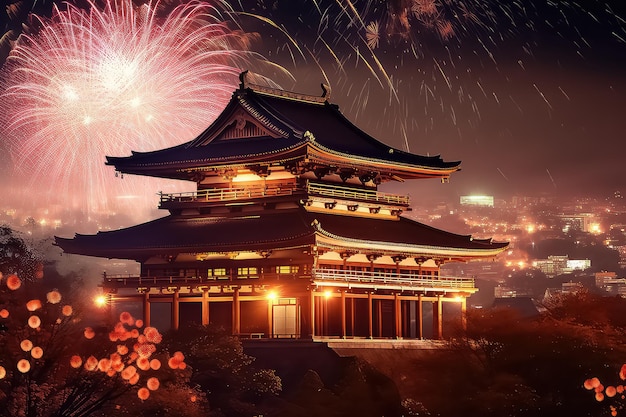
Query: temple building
x,y
286,234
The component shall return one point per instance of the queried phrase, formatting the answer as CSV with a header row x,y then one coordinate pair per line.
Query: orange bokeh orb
x,y
33,305
26,345
153,384
143,363
152,335
143,393
23,366
3,372
34,322
104,364
76,361
91,363
67,310
127,318
54,297
599,396
129,372
4,313
173,363
36,352
89,333
13,283
610,391
155,364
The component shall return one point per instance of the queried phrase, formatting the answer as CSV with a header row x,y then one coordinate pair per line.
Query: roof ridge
x,y
277,92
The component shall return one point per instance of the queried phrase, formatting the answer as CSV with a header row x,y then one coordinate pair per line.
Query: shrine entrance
x,y
285,319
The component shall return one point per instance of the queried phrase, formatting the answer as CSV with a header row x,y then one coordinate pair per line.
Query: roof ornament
x,y
309,136
325,91
242,79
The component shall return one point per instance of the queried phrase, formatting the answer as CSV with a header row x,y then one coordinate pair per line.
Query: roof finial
x,y
326,91
242,79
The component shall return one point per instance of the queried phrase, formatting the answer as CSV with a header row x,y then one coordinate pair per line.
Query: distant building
x,y
571,287
583,222
603,277
509,292
477,200
609,282
560,264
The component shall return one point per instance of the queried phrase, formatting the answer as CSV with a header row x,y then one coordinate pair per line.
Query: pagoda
x,y
286,234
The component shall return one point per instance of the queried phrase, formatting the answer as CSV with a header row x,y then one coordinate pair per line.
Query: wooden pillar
x,y
146,309
369,315
464,313
270,316
205,306
312,313
236,312
420,315
437,319
352,312
397,316
379,313
343,314
175,310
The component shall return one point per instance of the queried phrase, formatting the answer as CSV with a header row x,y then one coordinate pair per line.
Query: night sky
x,y
529,95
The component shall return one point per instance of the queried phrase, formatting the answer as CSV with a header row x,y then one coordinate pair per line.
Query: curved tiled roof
x,y
275,230
298,124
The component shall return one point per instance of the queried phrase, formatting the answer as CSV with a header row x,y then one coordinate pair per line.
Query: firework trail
x,y
428,56
90,83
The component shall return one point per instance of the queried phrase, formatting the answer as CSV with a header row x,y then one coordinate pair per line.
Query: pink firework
x,y
90,83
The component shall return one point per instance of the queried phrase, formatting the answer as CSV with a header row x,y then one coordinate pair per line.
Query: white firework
x,y
90,83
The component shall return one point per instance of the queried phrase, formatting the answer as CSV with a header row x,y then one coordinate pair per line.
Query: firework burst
x,y
89,83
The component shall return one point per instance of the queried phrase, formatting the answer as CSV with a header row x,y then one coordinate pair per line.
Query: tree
x,y
17,257
52,365
546,359
233,385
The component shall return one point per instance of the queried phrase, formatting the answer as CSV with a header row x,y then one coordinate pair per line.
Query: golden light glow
x,y
272,295
328,294
100,300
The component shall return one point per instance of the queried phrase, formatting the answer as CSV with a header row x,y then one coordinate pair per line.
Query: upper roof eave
x,y
292,117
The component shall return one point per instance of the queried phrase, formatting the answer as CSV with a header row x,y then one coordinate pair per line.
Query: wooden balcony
x,y
215,196
356,194
222,195
390,280
133,281
326,277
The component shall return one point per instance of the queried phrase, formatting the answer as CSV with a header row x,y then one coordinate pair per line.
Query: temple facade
x,y
286,234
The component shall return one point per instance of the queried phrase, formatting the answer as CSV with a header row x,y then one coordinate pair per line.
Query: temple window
x,y
217,273
287,269
247,272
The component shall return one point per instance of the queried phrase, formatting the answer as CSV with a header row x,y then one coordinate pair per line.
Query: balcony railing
x,y
373,278
216,195
331,276
226,194
125,280
348,193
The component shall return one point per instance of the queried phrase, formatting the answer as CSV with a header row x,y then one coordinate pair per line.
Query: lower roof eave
x,y
391,248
